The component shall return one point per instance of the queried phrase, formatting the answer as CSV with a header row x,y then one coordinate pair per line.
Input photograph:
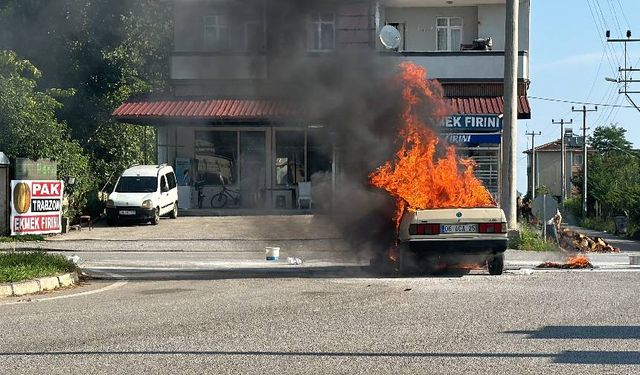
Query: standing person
x,y
519,208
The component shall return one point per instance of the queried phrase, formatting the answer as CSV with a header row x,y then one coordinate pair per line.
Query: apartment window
x,y
215,32
448,33
321,32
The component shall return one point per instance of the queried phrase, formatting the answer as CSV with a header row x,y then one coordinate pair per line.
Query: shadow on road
x,y
565,357
583,332
256,273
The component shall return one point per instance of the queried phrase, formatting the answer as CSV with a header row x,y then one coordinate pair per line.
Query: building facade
x,y
222,126
548,165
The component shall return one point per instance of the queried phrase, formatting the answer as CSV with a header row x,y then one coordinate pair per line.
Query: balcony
x,y
217,66
458,65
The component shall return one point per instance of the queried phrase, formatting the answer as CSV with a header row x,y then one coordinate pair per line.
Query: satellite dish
x,y
390,37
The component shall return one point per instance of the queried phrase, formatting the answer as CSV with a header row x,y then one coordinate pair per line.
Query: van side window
x,y
171,180
163,183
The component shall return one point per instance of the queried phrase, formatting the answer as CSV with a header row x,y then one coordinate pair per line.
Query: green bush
x,y
602,225
530,239
16,266
574,206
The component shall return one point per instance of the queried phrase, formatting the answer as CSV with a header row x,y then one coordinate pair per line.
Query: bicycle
x,y
220,200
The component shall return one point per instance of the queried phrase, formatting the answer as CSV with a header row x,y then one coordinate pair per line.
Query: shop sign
x,y
472,139
36,206
476,123
42,169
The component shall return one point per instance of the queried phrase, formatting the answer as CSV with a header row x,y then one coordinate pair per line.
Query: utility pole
x,y
584,111
563,177
509,159
625,79
533,163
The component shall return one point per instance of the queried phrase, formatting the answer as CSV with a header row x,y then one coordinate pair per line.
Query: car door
x,y
165,198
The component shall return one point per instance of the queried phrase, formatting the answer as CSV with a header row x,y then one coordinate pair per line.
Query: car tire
x,y
112,222
156,217
495,264
174,212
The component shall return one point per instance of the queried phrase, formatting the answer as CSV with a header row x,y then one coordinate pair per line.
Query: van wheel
x,y
174,213
496,264
156,217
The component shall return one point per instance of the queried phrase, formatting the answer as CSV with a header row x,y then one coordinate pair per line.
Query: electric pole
x,y
533,163
509,144
563,177
624,72
584,111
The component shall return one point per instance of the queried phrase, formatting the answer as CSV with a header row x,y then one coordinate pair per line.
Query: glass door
x,y
253,168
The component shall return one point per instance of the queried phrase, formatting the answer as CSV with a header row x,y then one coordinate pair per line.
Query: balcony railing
x,y
462,64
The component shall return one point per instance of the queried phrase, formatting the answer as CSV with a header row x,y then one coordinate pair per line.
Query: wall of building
x,y
420,24
491,22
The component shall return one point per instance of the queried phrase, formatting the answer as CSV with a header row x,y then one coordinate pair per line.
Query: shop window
x,y
318,152
216,153
577,160
289,162
321,32
448,33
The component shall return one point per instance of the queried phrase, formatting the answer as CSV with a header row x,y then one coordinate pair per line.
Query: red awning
x,y
487,106
216,109
246,109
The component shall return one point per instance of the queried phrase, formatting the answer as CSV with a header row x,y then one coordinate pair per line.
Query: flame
x,y
573,262
418,178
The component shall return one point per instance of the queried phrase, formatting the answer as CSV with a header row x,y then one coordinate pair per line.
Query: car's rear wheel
x,y
111,222
156,217
495,264
174,213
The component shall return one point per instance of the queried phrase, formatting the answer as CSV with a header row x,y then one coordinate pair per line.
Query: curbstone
x,y
48,283
26,287
634,260
6,290
67,279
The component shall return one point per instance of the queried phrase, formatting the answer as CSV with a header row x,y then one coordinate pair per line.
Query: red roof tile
x,y
249,109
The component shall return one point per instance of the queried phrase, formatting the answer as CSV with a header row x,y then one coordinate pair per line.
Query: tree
x,y
107,51
29,128
614,172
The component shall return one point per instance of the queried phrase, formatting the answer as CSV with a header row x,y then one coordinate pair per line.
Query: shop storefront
x,y
264,164
264,154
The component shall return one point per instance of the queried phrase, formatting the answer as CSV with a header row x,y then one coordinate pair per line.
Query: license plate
x,y
127,212
459,228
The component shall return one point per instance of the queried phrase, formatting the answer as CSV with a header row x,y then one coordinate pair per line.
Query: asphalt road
x,y
333,320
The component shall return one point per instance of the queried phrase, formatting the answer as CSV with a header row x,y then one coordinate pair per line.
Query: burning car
x,y
446,236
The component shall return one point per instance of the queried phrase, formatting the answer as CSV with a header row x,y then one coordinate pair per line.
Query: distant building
x,y
548,165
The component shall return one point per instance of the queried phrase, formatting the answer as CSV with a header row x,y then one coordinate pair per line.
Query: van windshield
x,y
137,185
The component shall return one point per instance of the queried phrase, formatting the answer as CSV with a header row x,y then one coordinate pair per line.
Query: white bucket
x,y
272,253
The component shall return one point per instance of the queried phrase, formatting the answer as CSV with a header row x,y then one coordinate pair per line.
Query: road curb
x,y
38,285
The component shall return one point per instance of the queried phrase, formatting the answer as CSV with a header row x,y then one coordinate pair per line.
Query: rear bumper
x,y
459,246
141,214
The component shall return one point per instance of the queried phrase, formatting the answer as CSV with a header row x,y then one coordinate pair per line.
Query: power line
x,y
579,102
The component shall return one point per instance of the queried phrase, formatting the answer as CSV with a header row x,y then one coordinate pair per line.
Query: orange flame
x,y
417,178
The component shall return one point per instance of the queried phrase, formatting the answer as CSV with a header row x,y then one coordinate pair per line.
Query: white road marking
x,y
103,289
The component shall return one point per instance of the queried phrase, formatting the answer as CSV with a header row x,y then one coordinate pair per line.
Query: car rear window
x,y
135,184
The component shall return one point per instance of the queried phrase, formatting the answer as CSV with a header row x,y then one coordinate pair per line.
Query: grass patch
x,y
22,238
17,266
530,239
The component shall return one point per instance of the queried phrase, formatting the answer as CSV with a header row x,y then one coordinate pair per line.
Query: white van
x,y
144,193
